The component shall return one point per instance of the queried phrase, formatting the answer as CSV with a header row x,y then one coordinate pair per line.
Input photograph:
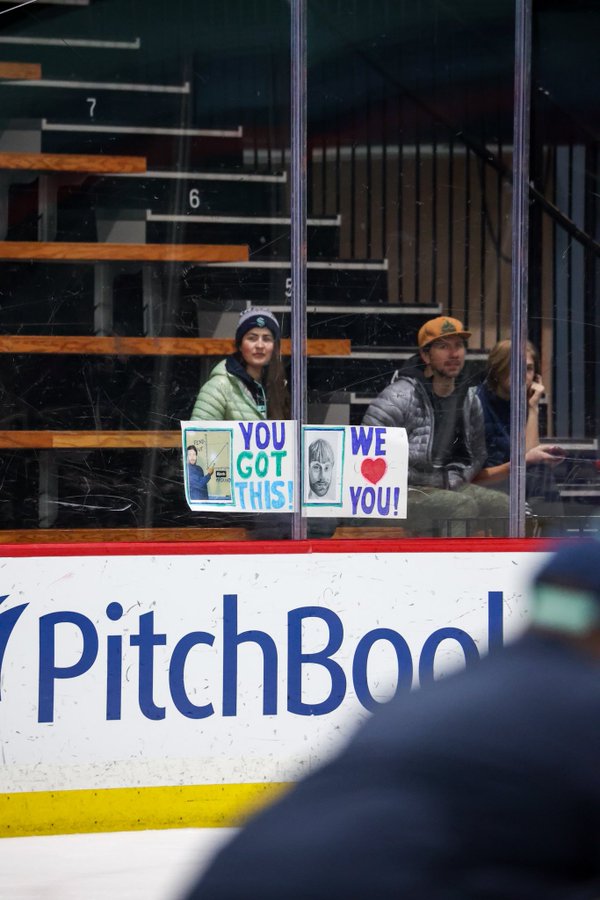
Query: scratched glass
x,y
410,137
144,205
564,302
141,150
411,111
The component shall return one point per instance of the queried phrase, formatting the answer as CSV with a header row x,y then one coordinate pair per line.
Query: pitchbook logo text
x,y
8,620
341,661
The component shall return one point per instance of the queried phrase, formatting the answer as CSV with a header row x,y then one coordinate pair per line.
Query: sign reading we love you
x,y
354,471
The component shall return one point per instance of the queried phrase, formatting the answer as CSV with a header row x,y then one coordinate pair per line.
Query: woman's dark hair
x,y
274,383
498,364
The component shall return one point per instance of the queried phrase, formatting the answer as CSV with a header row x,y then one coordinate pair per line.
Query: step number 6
x,y
194,198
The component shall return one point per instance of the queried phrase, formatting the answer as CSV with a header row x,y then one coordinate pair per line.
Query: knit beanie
x,y
256,317
566,591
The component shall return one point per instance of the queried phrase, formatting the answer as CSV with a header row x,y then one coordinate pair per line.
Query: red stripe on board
x,y
241,548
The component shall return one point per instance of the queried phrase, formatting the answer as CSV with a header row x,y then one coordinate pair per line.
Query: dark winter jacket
x,y
407,403
198,482
540,481
482,786
496,415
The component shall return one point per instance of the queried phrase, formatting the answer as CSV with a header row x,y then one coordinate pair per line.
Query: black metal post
x,y
520,264
298,233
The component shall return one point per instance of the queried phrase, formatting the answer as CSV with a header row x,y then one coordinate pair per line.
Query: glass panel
x,y
565,253
410,138
143,156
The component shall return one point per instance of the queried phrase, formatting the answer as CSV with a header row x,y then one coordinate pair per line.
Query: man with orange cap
x,y
444,423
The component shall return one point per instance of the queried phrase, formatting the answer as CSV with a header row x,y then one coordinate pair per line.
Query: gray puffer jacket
x,y
406,404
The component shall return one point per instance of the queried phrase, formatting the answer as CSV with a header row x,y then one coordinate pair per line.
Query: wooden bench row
x,y
149,346
86,163
20,71
119,535
81,251
86,440
177,535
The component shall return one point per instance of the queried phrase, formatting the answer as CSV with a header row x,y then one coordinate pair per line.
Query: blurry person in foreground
x,y
483,785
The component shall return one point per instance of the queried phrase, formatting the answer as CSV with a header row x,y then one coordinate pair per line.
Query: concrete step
x,y
267,237
268,282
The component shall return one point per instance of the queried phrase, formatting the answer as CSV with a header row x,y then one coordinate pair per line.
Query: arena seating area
x,y
135,223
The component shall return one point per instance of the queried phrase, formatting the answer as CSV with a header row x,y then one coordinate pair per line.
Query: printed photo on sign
x,y
354,471
323,465
240,466
208,465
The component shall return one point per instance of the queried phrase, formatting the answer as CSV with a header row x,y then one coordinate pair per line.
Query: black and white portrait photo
x,y
323,466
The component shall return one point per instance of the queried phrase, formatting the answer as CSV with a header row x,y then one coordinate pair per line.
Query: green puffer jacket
x,y
227,396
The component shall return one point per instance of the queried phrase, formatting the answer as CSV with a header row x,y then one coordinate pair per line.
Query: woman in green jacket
x,y
250,383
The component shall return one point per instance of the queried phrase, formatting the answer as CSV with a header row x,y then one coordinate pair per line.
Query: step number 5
x,y
92,102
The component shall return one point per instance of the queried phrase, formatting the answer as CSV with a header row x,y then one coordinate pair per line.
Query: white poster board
x,y
359,471
239,466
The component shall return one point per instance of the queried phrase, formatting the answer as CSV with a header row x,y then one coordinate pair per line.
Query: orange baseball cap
x,y
440,327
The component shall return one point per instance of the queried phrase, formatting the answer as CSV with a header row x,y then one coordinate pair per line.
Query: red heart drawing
x,y
373,469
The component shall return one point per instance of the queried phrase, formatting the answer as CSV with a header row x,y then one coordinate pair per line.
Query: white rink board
x,y
410,594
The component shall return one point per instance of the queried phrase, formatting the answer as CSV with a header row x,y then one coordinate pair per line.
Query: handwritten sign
x,y
239,466
354,471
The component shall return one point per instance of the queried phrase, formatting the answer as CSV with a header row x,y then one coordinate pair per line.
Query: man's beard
x,y
454,370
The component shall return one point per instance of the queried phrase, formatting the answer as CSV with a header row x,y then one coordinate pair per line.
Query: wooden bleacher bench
x,y
472,528
86,440
57,251
94,164
148,346
371,532
115,535
19,71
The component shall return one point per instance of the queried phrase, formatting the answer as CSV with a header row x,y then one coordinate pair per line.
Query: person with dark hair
x,y
250,383
484,784
197,480
443,419
494,394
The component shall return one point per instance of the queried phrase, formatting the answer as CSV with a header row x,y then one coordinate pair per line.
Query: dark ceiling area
x,y
451,63
447,65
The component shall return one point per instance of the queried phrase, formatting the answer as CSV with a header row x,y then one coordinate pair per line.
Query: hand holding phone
x,y
536,392
543,454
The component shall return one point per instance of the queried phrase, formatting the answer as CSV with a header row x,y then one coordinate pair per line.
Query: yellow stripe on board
x,y
132,809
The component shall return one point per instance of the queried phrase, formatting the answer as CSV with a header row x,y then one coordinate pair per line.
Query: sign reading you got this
x,y
240,466
347,471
